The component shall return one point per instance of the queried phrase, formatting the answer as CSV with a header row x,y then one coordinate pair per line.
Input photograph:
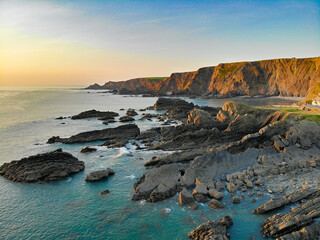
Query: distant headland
x,y
291,77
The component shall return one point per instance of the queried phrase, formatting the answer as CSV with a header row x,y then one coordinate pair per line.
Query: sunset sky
x,y
82,42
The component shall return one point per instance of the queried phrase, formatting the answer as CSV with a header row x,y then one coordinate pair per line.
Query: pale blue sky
x,y
153,38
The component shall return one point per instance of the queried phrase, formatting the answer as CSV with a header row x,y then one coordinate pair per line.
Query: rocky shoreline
x,y
245,150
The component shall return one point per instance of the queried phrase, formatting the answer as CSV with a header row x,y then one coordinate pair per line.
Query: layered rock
x,y
95,113
297,218
111,135
277,77
212,230
51,166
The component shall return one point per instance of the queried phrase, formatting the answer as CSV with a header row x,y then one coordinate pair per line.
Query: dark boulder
x,y
44,167
94,113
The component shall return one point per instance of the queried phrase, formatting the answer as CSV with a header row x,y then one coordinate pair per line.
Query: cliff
x,y
277,77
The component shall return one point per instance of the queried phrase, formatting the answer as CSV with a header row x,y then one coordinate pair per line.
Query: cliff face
x,y
278,77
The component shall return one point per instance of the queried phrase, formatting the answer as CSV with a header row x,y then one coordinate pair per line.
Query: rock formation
x,y
51,166
277,77
99,175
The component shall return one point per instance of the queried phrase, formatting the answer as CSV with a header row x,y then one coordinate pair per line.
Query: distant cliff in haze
x,y
276,77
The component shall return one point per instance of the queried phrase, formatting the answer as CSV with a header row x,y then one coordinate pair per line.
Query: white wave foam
x,y
167,210
131,177
68,179
142,202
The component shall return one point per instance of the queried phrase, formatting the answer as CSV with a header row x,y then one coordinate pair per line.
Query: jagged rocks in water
x,y
104,192
99,175
44,167
235,200
131,112
216,204
88,150
94,113
280,202
158,183
298,217
126,119
212,230
122,133
310,232
170,103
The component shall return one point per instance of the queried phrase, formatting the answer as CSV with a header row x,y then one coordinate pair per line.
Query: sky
x,y
78,42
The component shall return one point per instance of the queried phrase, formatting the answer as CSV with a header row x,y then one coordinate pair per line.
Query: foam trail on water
x,y
130,176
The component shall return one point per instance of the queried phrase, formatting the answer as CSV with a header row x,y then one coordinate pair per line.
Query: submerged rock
x,y
88,150
51,166
99,175
104,192
212,230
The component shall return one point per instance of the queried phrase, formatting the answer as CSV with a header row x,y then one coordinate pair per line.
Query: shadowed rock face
x,y
45,167
283,77
119,134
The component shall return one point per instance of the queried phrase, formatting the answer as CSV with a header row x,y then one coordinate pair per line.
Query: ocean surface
x,y
72,208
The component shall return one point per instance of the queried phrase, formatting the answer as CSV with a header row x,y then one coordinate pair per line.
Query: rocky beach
x,y
216,156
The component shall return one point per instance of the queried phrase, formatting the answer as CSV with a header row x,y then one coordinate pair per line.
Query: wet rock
x,y
280,202
307,233
297,218
170,103
99,175
235,200
215,194
51,166
216,204
200,189
201,198
131,112
88,150
95,113
158,183
185,197
122,133
104,192
126,119
212,230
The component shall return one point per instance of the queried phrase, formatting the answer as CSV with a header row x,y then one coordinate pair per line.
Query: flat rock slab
x,y
94,113
121,133
99,175
51,166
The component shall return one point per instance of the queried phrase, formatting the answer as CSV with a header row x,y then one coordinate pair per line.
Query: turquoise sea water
x,y
72,208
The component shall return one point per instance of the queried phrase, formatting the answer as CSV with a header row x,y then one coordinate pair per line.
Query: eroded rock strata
x,y
51,166
276,77
119,135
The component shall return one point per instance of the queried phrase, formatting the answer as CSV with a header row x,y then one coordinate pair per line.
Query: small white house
x,y
316,101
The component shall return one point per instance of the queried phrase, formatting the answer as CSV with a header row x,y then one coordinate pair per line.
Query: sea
x,y
72,208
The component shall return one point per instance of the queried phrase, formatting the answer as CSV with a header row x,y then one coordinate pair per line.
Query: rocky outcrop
x,y
94,113
158,183
171,103
298,217
310,232
212,230
99,175
111,135
131,112
126,119
277,77
51,166
88,150
287,199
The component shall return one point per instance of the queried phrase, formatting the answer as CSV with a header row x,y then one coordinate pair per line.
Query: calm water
x,y
72,208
